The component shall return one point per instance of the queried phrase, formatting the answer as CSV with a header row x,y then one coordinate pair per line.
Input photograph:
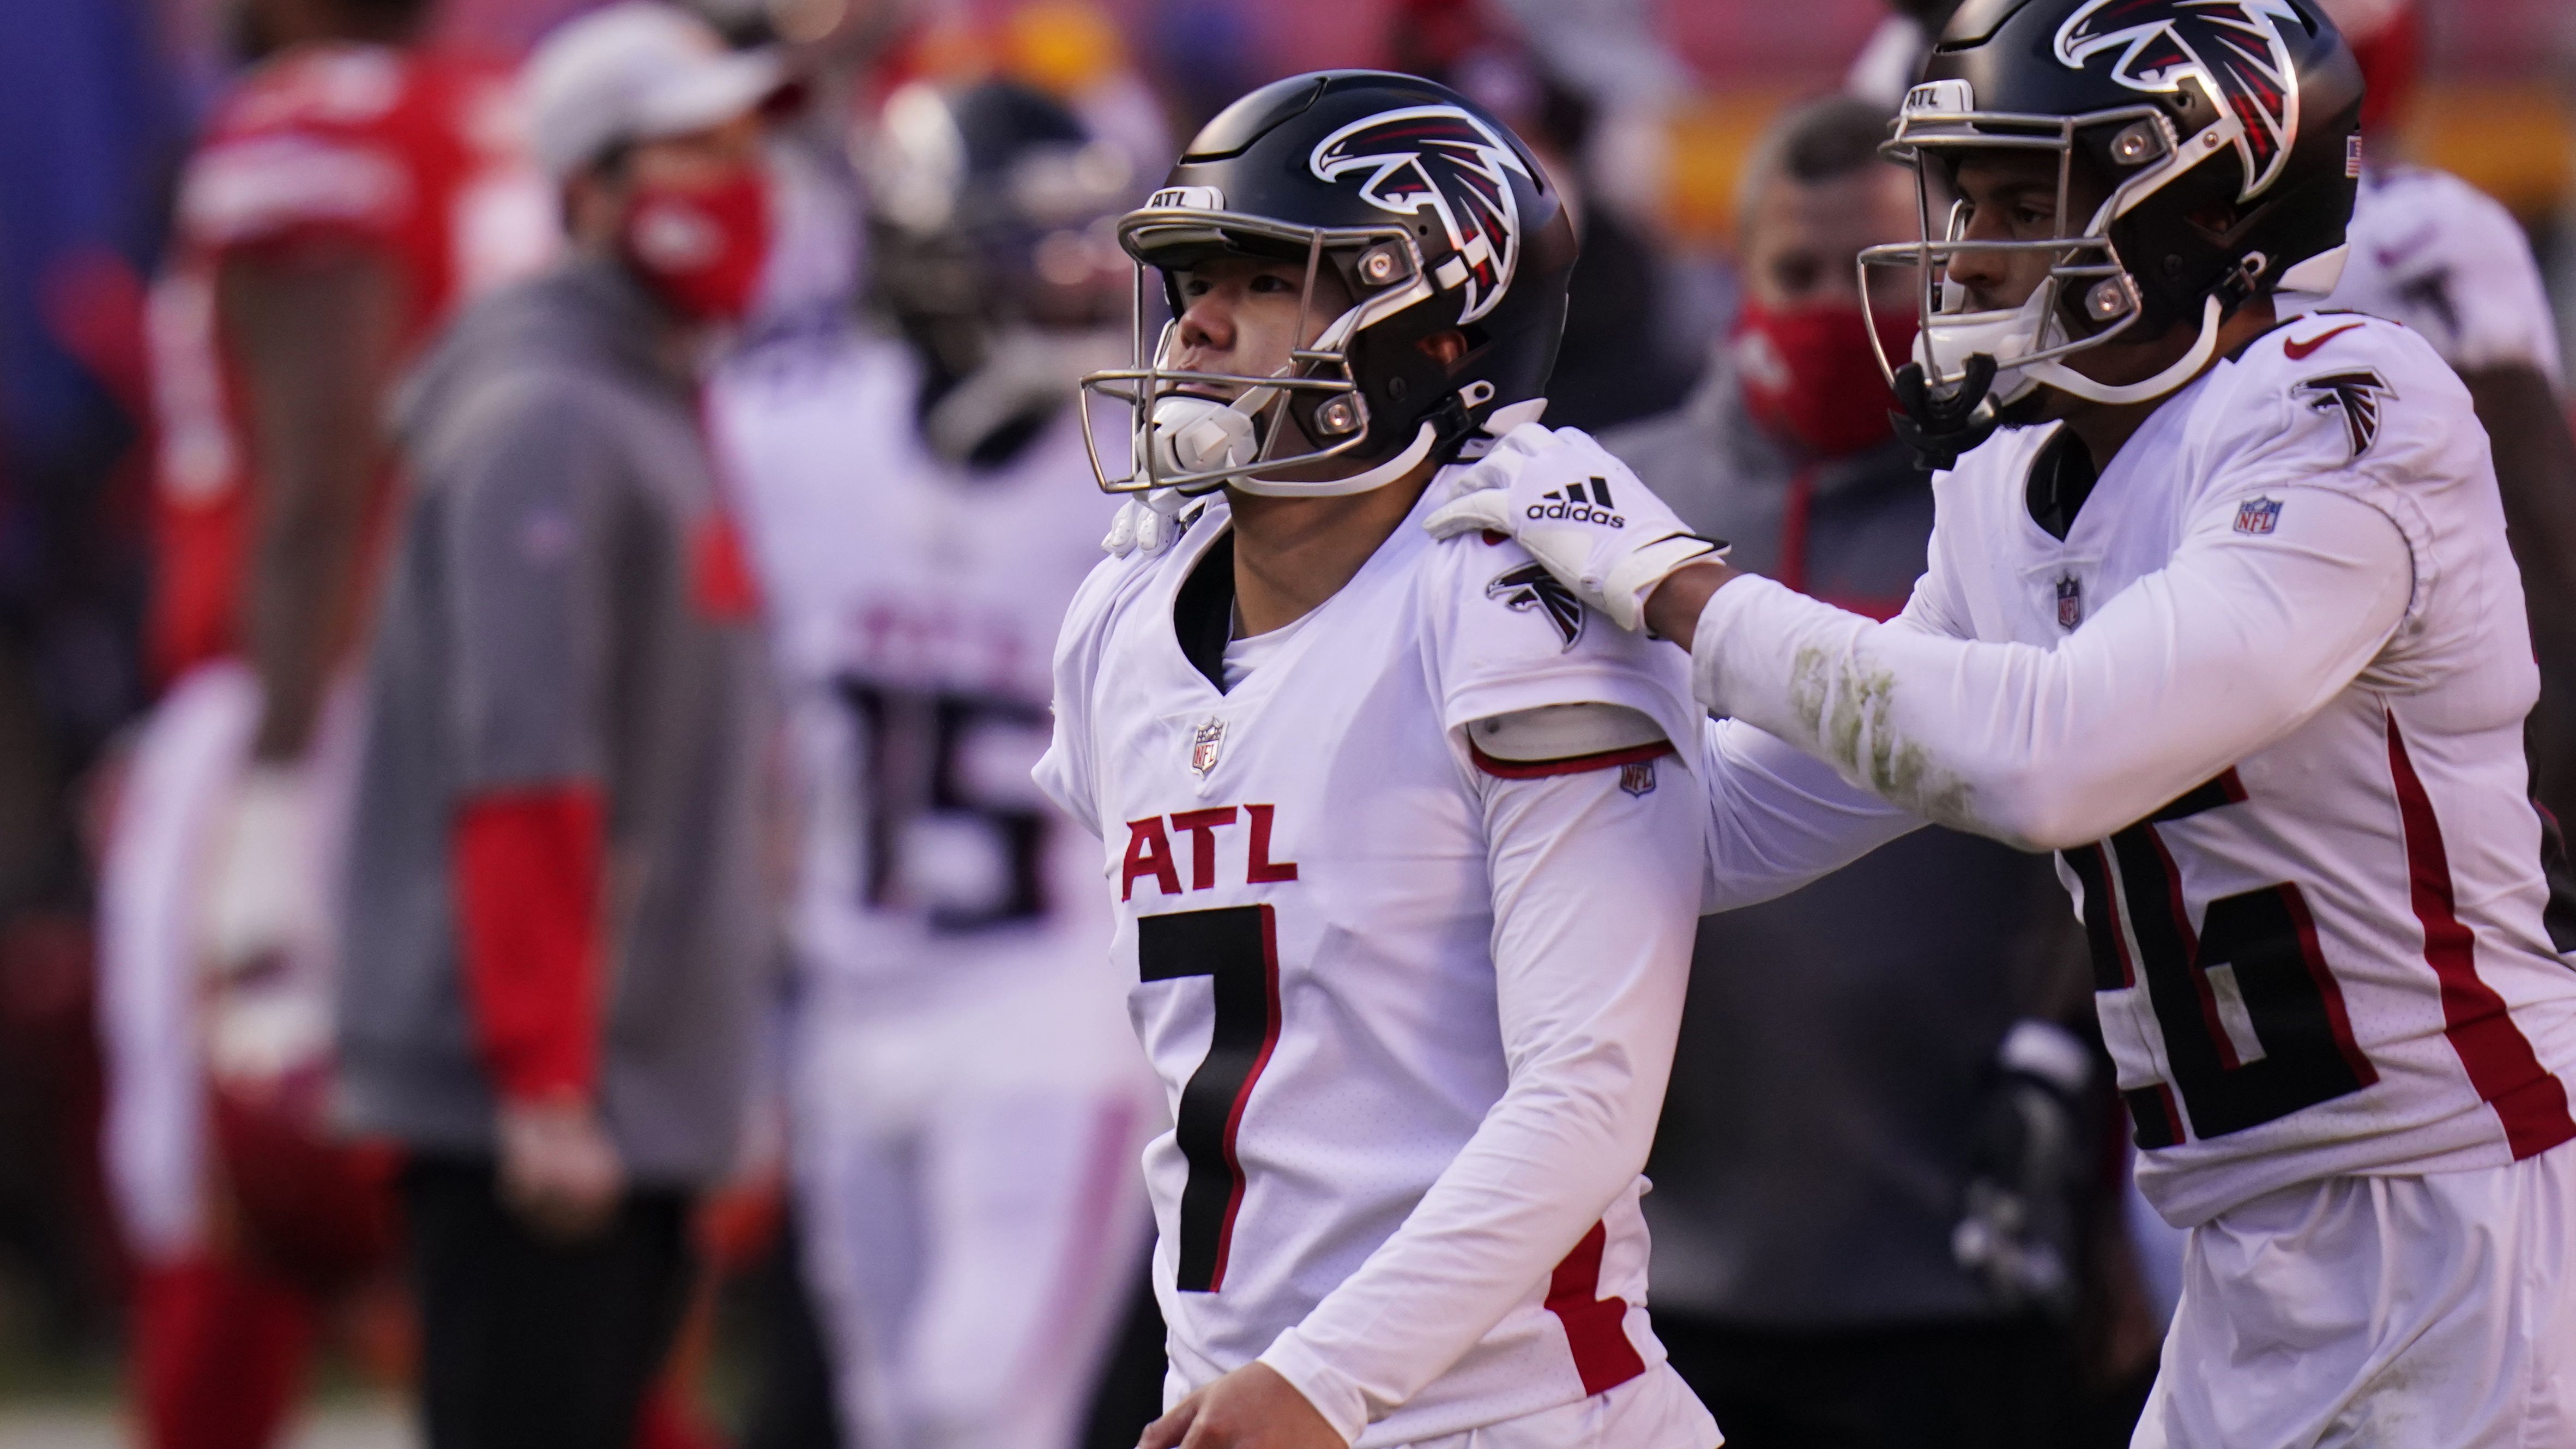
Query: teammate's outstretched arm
x,y
2238,640
318,334
1779,818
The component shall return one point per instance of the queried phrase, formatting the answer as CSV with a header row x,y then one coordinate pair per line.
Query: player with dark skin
x,y
1240,315
317,333
2012,196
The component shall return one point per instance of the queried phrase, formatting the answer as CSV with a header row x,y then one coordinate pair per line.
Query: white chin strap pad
x,y
1199,435
2067,380
1944,347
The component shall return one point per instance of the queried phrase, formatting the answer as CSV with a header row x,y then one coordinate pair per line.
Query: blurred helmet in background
x,y
991,216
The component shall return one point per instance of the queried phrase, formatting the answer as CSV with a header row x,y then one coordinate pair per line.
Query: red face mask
x,y
700,250
1809,376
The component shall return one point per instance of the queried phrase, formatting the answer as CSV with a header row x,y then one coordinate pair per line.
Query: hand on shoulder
x,y
1579,511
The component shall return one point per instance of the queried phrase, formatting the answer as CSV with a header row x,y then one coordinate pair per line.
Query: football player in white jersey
x,y
967,1103
2224,615
1405,865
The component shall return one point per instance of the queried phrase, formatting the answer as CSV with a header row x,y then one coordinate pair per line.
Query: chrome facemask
x,y
2029,342
1195,443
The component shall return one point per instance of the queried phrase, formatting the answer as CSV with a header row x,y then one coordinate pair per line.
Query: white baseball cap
x,y
632,72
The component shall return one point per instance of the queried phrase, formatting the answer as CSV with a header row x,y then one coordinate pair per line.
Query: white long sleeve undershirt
x,y
2232,645
1593,895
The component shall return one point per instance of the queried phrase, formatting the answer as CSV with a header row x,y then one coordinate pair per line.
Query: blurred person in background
x,y
968,1100
2431,251
1873,1162
557,923
349,193
1618,361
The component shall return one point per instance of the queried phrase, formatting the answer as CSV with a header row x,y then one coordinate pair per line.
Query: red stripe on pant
x,y
219,1350
1596,1328
2501,1065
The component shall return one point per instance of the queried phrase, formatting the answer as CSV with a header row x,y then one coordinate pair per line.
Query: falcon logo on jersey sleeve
x,y
1531,588
2232,47
2358,394
1444,161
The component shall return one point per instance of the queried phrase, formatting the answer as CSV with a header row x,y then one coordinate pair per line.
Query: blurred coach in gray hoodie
x,y
1872,1151
556,923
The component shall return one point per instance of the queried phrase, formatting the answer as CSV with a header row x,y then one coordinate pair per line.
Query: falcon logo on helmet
x,y
1445,161
2232,47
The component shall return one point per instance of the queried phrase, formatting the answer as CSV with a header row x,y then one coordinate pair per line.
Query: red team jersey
x,y
414,157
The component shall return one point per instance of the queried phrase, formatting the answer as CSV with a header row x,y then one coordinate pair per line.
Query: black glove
x,y
1939,428
2016,1230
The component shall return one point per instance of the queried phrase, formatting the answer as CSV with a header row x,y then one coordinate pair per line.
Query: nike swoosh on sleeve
x,y
2299,351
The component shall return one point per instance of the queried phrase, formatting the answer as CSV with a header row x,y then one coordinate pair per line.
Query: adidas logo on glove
x,y
1574,506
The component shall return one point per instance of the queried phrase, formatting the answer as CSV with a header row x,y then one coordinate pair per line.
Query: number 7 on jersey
x,y
1237,948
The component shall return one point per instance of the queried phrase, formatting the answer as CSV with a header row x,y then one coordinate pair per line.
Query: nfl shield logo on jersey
x,y
2070,602
1637,777
2258,515
1205,742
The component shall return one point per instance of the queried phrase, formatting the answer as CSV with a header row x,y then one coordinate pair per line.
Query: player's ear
x,y
1445,346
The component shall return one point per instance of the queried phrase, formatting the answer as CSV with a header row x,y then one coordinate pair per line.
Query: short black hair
x,y
1819,140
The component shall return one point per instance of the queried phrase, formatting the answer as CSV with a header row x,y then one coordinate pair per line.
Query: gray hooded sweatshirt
x,y
562,611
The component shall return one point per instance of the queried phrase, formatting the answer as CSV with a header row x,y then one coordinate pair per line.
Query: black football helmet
x,y
1430,213
2186,110
992,251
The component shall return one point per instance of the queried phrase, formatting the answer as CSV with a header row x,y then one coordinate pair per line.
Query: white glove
x,y
262,895
1579,511
1147,523
262,908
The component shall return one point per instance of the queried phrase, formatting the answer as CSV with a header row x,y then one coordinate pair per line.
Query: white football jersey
x,y
913,607
2446,259
1412,1006
2285,638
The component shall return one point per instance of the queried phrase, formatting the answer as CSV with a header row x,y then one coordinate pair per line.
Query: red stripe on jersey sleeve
x,y
1596,1328
2501,1065
1570,765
